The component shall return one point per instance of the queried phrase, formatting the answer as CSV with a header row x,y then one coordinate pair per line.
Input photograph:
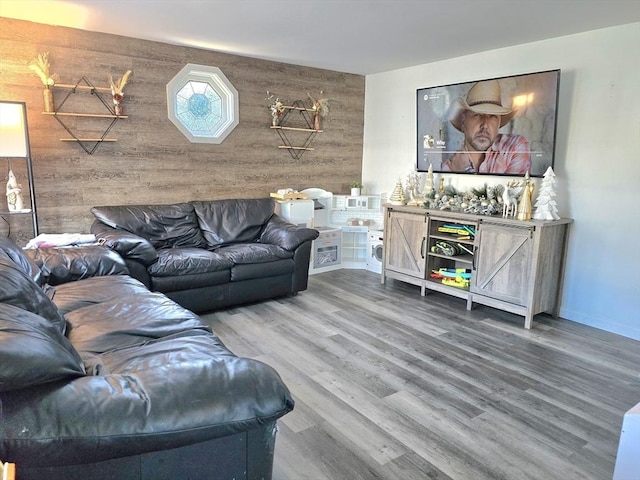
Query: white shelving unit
x,y
354,247
355,216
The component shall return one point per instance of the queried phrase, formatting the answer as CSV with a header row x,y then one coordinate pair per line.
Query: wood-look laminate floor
x,y
392,385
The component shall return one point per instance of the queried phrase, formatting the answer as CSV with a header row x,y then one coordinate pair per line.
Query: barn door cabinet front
x,y
405,242
518,266
503,263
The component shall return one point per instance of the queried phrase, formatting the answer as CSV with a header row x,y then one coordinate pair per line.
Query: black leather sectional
x,y
207,255
101,378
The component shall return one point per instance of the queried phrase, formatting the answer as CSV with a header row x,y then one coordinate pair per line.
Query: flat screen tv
x,y
497,126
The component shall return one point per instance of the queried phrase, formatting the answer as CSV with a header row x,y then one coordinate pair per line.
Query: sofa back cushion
x,y
165,226
11,251
17,288
224,222
70,264
33,351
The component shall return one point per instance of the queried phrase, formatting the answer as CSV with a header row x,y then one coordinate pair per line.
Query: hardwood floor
x,y
391,385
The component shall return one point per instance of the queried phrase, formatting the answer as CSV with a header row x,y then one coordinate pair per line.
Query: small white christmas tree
x,y
397,196
429,190
546,207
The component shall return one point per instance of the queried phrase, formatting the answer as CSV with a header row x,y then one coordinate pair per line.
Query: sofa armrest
x,y
129,245
68,264
278,231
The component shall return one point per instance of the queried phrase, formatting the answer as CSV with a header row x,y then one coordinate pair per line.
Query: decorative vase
x,y
118,109
355,192
316,121
47,95
274,120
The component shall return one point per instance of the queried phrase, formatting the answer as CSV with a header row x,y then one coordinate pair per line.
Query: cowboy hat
x,y
484,98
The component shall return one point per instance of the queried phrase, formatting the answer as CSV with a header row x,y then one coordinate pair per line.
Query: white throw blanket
x,y
61,240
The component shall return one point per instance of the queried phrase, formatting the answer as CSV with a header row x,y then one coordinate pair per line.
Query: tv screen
x,y
498,126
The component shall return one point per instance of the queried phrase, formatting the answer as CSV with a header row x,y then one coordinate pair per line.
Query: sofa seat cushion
x,y
262,270
129,321
244,253
165,226
188,261
188,282
90,291
164,394
180,347
33,351
17,288
233,221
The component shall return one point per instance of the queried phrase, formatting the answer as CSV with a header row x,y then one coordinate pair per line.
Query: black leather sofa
x,y
102,379
207,255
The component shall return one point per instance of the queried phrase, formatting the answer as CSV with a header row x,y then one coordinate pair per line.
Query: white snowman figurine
x,y
14,198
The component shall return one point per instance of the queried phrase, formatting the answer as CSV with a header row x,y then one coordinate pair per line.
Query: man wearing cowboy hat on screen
x,y
484,150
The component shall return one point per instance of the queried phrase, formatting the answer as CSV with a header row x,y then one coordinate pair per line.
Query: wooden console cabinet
x,y
514,265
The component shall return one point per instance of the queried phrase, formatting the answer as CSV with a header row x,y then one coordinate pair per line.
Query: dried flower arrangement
x,y
40,65
117,87
275,108
320,105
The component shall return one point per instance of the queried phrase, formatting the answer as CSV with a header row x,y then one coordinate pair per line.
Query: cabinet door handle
x,y
422,247
473,260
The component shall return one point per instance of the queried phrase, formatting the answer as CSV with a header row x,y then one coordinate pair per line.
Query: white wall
x,y
597,156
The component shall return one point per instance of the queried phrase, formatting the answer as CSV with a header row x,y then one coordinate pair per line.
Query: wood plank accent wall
x,y
152,162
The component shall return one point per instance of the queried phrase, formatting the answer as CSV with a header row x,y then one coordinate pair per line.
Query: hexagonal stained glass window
x,y
202,103
199,107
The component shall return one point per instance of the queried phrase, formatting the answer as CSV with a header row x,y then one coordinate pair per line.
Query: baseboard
x,y
610,325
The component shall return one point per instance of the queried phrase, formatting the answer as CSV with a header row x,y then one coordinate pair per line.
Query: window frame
x,y
213,76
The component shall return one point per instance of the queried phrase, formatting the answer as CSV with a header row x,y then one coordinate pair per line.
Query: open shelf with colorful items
x,y
450,251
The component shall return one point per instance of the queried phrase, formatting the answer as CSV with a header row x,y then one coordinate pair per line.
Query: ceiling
x,y
352,36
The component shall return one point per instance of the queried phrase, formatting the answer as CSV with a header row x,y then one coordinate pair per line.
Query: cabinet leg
x,y
528,320
469,302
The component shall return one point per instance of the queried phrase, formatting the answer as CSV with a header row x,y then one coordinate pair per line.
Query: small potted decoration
x,y
356,189
117,91
41,66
